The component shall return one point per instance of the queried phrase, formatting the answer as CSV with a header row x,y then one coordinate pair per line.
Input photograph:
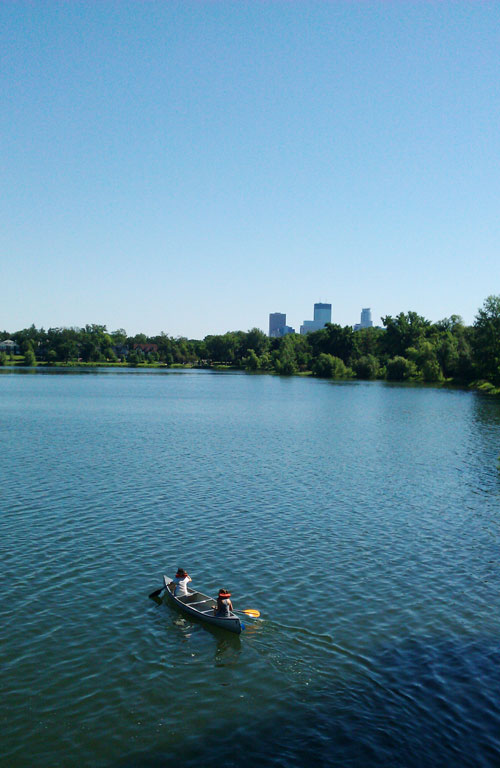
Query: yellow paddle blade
x,y
251,612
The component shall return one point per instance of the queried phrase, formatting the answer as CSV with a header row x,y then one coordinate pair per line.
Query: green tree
x,y
403,331
431,371
134,358
369,340
367,367
333,340
3,358
265,361
251,362
223,349
425,358
119,337
447,354
302,350
94,340
329,367
29,355
486,340
401,369
285,362
255,339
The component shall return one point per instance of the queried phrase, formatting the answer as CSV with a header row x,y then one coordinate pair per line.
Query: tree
x,y
257,340
447,354
285,361
333,340
119,337
3,358
367,367
329,367
223,349
265,362
400,369
425,358
29,355
133,357
368,341
431,371
486,340
94,339
252,362
406,330
110,355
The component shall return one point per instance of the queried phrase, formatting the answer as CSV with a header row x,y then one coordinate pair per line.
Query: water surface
x,y
361,519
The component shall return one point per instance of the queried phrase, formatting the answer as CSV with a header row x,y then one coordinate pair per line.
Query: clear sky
x,y
189,167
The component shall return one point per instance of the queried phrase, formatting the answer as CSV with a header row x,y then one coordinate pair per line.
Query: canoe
x,y
201,607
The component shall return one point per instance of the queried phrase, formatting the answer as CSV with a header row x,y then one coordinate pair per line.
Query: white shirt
x,y
181,584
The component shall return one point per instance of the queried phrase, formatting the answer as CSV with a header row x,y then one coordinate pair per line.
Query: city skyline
x,y
186,167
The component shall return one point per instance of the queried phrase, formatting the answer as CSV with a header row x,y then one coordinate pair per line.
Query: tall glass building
x,y
322,316
277,322
366,319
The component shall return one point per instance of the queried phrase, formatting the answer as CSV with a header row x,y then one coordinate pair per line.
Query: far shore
x,y
484,387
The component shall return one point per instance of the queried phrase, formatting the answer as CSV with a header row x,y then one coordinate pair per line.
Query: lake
x,y
361,519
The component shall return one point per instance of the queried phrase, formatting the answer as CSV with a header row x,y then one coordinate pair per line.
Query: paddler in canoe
x,y
224,605
178,586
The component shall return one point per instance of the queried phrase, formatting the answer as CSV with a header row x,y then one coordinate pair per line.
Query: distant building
x,y
12,347
322,316
276,321
278,326
146,348
366,320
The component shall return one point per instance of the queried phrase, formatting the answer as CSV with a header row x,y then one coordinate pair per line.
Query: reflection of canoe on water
x,y
202,607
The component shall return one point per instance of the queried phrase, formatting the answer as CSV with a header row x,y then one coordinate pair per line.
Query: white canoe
x,y
202,607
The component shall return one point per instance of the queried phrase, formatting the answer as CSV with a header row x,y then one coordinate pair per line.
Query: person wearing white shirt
x,y
179,585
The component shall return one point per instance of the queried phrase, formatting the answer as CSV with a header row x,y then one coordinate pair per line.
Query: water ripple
x,y
361,520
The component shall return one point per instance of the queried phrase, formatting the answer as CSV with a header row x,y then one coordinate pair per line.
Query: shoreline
x,y
482,387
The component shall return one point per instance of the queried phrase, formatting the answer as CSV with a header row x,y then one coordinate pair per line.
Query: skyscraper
x,y
278,326
322,316
277,320
366,320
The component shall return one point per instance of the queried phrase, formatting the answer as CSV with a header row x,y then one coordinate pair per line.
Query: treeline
x,y
407,348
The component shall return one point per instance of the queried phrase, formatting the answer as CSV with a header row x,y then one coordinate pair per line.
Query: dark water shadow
x,y
426,706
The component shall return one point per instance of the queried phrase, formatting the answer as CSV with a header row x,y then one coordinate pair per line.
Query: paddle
x,y
158,592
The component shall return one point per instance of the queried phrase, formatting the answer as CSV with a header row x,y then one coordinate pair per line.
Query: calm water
x,y
362,520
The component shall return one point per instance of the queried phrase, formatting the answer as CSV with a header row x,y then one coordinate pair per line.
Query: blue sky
x,y
189,167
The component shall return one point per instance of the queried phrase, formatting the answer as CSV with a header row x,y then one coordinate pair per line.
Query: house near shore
x,y
121,350
10,347
146,348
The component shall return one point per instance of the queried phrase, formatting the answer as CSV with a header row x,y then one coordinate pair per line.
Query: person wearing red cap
x,y
179,585
224,605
